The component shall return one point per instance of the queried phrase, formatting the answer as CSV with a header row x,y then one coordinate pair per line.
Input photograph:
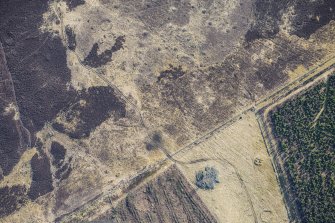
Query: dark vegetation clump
x,y
10,138
157,138
309,17
305,130
149,146
58,152
71,38
40,76
101,104
206,179
95,60
11,199
63,167
41,176
72,4
173,73
154,142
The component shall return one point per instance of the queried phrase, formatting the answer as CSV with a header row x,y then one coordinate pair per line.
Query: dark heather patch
x,y
11,199
40,73
100,103
37,62
14,139
58,152
252,35
157,13
155,141
157,138
63,168
62,194
71,38
95,60
268,14
9,143
149,146
42,92
272,74
59,127
74,3
42,178
305,22
173,73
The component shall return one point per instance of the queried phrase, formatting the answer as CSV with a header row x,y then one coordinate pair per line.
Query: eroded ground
x,y
94,92
167,198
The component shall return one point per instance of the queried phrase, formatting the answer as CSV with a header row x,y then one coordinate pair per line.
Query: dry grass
x,y
247,192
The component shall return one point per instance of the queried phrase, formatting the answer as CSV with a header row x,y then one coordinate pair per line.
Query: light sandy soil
x,y
246,192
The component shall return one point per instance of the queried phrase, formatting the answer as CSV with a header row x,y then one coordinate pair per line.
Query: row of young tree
x,y
305,130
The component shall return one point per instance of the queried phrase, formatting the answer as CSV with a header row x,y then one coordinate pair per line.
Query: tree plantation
x,y
305,130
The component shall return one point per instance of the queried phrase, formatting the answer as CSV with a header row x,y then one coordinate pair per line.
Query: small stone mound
x,y
258,162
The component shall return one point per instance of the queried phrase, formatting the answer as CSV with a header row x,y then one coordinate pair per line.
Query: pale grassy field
x,y
246,192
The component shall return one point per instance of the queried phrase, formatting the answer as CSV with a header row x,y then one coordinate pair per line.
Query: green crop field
x,y
305,130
